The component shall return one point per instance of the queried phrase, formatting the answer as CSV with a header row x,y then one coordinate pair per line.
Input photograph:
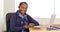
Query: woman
x,y
20,21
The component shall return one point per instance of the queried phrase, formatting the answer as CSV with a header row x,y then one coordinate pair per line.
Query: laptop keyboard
x,y
53,28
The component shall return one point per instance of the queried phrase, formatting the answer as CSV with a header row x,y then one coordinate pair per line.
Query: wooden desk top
x,y
39,30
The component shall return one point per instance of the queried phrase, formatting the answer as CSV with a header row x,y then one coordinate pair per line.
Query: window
x,y
41,8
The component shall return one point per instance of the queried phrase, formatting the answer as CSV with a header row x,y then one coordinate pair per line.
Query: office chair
x,y
8,21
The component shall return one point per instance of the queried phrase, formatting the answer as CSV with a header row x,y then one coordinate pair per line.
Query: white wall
x,y
57,8
1,15
9,7
6,6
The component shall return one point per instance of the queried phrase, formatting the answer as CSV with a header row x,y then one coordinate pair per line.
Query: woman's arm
x,y
32,20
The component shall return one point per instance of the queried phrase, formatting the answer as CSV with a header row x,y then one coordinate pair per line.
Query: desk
x,y
39,30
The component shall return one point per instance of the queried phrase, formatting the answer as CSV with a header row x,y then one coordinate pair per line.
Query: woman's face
x,y
23,8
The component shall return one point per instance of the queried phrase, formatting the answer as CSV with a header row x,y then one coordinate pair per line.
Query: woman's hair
x,y
22,3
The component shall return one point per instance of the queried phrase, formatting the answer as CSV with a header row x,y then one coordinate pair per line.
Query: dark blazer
x,y
15,23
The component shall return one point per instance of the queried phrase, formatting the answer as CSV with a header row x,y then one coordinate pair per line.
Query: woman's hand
x,y
29,25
